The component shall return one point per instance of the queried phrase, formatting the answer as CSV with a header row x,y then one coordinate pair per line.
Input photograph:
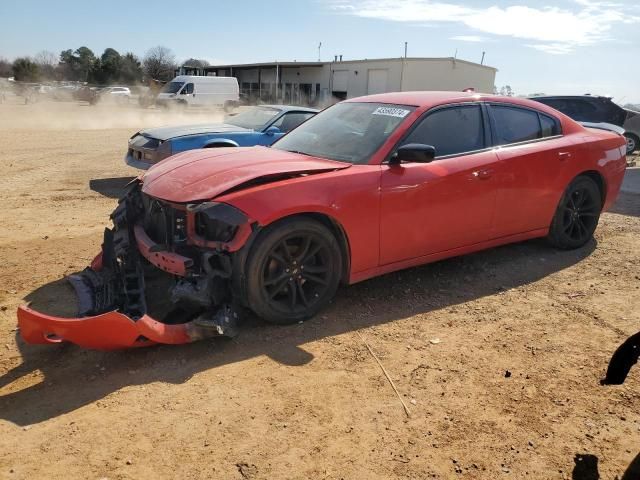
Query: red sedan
x,y
369,186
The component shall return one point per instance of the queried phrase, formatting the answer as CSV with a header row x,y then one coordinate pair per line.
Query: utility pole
x,y
319,47
482,61
404,60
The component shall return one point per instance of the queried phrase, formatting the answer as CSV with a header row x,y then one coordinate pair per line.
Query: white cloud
x,y
550,29
469,38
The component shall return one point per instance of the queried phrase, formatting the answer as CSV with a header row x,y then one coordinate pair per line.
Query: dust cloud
x,y
53,115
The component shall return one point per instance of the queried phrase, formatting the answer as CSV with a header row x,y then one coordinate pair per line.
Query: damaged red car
x,y
369,186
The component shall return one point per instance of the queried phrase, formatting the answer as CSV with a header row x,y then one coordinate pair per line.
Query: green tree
x,y
6,69
106,69
25,70
111,65
130,69
77,64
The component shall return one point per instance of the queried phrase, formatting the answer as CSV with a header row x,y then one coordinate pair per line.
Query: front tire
x,y
577,215
293,271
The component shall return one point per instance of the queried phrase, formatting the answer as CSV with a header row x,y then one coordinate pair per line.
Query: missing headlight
x,y
217,222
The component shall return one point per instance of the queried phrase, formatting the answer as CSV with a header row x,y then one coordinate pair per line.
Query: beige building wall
x,y
333,81
447,74
364,77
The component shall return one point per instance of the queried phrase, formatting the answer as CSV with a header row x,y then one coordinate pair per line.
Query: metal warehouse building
x,y
317,82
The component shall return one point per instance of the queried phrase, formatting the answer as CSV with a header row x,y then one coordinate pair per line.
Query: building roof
x,y
320,64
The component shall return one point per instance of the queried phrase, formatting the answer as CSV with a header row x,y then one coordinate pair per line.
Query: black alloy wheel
x,y
293,271
577,215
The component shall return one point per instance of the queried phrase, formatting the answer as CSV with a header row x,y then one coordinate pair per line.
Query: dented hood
x,y
204,174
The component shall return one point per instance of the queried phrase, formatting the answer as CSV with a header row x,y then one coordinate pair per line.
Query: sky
x,y
545,46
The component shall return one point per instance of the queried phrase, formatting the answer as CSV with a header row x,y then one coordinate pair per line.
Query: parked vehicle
x,y
596,109
368,186
200,91
632,130
112,94
255,126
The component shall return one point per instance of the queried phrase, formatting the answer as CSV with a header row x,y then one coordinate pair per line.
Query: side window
x,y
562,106
515,125
583,110
289,121
451,130
188,89
550,126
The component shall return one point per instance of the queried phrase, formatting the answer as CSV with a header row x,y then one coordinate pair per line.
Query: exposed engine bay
x,y
161,263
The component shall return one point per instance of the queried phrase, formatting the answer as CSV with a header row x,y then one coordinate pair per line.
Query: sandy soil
x,y
309,401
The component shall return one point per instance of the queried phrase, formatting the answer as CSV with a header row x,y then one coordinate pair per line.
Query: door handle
x,y
482,174
564,155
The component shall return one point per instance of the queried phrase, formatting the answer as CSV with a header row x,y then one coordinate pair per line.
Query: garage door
x,y
340,80
377,81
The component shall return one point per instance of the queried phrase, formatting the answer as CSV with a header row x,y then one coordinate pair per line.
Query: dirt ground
x,y
497,355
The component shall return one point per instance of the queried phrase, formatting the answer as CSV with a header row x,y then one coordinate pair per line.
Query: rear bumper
x,y
135,163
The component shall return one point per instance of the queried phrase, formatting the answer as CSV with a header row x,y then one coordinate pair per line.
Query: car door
x,y
536,159
188,94
432,207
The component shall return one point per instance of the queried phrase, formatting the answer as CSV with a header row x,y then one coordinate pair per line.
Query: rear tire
x,y
577,215
293,271
633,142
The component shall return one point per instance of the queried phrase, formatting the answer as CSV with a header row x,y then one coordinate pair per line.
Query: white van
x,y
200,91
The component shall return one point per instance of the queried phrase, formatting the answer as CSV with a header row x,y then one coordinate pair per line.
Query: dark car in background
x,y
597,109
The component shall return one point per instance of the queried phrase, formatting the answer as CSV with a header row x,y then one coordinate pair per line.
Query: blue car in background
x,y
261,125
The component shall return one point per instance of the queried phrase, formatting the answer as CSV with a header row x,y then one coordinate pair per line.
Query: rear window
x,y
514,125
550,126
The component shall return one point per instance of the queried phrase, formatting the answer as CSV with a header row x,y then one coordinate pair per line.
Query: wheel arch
x,y
331,223
600,181
338,231
220,142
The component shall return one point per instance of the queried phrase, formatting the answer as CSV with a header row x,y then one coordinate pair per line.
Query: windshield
x,y
255,118
172,87
349,132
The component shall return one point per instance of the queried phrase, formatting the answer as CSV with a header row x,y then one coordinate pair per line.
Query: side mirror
x,y
413,152
271,131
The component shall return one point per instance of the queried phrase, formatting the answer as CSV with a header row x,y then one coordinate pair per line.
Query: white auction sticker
x,y
391,112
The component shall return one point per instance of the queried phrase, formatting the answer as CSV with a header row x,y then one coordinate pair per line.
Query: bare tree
x,y
196,62
47,63
159,63
507,91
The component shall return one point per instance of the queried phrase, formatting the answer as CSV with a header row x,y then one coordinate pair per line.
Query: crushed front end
x,y
163,276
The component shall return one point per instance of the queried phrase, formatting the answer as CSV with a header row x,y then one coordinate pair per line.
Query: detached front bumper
x,y
112,297
108,331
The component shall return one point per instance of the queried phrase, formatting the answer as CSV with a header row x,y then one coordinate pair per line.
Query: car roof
x,y
433,98
551,97
287,108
